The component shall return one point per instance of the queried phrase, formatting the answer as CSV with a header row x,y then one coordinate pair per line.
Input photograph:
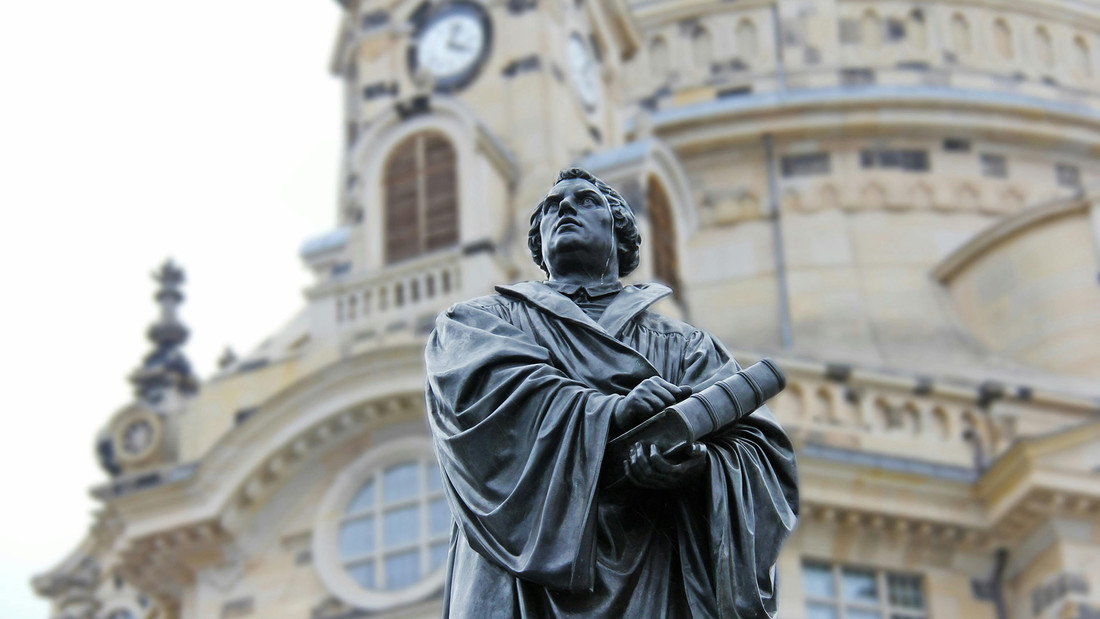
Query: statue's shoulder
x,y
653,320
494,303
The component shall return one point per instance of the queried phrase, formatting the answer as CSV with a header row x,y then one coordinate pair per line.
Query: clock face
x,y
584,72
452,44
137,437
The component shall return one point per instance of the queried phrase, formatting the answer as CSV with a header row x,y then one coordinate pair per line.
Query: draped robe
x,y
521,387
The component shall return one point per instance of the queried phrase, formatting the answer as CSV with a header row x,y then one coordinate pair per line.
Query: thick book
x,y
676,428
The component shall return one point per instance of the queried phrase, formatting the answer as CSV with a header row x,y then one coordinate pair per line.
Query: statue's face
x,y
577,225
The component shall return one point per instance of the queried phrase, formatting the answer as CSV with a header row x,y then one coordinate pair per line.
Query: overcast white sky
x,y
132,131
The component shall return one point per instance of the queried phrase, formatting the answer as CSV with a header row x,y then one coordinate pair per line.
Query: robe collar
x,y
630,302
597,290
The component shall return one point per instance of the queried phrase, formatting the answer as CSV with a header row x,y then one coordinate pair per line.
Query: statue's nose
x,y
566,206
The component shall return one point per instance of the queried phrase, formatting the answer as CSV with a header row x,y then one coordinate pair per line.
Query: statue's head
x,y
623,228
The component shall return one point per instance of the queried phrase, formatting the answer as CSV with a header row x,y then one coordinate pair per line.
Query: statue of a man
x,y
525,390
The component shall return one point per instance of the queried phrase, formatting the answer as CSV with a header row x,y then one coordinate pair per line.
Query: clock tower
x,y
484,89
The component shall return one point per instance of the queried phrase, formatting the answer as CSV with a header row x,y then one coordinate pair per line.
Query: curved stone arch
x,y
873,195
665,166
1013,199
477,155
828,198
251,459
920,196
628,169
967,198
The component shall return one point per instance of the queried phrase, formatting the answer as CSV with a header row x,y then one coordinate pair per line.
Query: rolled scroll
x,y
676,428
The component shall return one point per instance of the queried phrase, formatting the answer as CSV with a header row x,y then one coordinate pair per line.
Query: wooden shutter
x,y
440,194
421,189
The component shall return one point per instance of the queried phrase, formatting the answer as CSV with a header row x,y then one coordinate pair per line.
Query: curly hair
x,y
627,239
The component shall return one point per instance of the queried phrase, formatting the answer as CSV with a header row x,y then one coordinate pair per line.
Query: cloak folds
x,y
521,386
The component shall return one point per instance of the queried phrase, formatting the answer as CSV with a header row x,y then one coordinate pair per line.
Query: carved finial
x,y
166,367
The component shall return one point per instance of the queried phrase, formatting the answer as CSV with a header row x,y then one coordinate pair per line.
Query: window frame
x,y
396,183
334,511
841,605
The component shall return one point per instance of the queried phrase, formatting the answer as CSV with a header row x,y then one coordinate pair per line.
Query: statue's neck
x,y
584,280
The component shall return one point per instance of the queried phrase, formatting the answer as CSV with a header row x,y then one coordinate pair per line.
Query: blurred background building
x,y
889,198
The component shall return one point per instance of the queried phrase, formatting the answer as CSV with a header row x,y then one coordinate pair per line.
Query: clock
x,y
584,71
137,437
451,43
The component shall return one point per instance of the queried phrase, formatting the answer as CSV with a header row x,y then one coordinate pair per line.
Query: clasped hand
x,y
647,467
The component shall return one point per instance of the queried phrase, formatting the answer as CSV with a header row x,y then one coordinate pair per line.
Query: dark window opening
x,y
956,145
1068,175
994,166
421,188
908,160
804,165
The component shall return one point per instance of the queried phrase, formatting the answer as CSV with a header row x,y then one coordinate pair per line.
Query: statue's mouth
x,y
567,221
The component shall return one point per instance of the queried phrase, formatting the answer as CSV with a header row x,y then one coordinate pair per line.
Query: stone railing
x,y
400,293
401,297
898,417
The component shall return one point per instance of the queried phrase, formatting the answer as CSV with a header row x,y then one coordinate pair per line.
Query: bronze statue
x,y
526,390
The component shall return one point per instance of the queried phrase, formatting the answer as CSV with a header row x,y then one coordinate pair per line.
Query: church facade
x,y
890,199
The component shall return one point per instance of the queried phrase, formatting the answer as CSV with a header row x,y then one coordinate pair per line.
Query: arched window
x,y
421,197
745,39
701,48
1044,47
1002,39
916,30
1082,56
666,267
871,30
658,57
397,528
960,34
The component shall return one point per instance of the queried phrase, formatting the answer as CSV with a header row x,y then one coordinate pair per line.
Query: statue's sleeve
x,y
751,501
520,445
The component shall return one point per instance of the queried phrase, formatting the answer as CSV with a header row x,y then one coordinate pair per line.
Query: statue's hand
x,y
647,468
650,397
